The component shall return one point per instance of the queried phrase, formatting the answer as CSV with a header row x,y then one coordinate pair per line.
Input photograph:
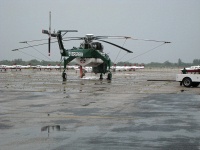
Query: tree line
x,y
180,63
35,62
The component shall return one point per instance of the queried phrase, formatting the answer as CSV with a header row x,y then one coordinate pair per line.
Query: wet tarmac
x,y
39,111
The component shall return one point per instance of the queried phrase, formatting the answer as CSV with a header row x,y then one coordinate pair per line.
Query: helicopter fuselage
x,y
88,57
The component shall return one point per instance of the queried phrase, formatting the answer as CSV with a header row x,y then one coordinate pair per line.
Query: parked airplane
x,y
5,67
17,67
126,68
48,67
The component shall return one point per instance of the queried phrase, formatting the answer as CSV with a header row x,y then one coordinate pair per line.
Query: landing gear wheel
x,y
64,76
109,76
187,82
101,77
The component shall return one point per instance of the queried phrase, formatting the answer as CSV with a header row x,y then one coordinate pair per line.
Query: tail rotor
x,y
49,33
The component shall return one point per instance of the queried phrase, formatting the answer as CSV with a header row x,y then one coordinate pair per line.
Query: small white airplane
x,y
126,68
17,67
41,67
21,67
48,67
5,67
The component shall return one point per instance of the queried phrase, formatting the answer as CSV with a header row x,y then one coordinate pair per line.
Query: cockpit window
x,y
97,46
85,46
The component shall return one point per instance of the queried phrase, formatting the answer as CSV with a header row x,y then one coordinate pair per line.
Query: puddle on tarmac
x,y
5,126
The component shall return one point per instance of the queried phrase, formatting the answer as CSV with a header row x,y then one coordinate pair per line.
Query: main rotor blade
x,y
32,46
72,39
149,40
116,46
78,38
111,37
99,37
35,40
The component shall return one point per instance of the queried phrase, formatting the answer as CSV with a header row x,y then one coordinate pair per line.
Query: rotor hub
x,y
89,37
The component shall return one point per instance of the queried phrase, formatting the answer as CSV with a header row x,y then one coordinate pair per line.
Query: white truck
x,y
189,77
188,80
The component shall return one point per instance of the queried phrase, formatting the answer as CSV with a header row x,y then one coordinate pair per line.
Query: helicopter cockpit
x,y
92,45
97,46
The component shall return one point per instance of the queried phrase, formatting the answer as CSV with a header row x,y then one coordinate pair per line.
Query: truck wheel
x,y
195,84
187,82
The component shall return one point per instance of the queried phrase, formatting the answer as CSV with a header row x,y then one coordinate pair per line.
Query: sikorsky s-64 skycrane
x,y
89,53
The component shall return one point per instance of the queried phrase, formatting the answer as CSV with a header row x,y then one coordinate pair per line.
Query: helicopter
x,y
89,53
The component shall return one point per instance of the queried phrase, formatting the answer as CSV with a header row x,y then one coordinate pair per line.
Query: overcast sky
x,y
177,21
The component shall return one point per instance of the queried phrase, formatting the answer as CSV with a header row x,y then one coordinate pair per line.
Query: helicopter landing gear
x,y
109,76
64,76
101,77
